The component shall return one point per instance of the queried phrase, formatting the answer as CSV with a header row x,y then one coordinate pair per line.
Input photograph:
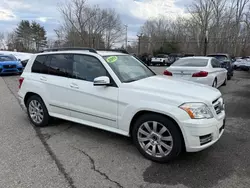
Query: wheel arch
x,y
144,112
30,94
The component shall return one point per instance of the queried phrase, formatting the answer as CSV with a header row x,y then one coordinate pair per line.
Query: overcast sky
x,y
132,12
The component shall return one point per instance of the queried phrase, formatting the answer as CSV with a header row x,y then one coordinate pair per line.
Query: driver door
x,y
92,105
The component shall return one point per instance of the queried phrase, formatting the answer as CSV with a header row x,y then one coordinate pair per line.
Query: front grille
x,y
218,105
9,66
9,70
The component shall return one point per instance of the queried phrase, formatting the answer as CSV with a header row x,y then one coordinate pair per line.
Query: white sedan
x,y
204,70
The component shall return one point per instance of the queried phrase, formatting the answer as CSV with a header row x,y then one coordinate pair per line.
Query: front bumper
x,y
11,70
196,130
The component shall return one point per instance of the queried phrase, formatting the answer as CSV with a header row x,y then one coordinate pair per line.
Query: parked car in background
x,y
10,64
226,62
242,64
204,70
174,57
160,59
21,56
114,91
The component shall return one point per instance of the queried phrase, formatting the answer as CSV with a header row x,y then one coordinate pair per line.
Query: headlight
x,y
197,110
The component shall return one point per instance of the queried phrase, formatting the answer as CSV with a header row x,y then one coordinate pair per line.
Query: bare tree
x,y
2,41
90,25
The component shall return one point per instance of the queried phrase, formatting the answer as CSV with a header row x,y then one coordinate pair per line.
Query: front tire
x,y
157,138
37,111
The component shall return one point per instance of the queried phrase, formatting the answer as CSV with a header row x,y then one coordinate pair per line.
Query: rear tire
x,y
225,82
215,83
37,111
154,145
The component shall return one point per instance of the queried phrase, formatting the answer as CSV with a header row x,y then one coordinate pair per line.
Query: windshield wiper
x,y
130,80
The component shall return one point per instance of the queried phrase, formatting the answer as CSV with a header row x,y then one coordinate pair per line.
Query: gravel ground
x,y
72,155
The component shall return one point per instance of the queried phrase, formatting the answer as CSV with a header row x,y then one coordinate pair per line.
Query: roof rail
x,y
68,48
114,50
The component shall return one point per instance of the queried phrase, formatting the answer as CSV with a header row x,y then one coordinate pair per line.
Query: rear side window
x,y
56,64
60,64
40,65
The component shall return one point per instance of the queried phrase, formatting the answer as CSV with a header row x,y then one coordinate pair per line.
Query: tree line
x,y
211,26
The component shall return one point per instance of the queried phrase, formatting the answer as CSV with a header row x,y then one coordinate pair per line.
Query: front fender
x,y
127,113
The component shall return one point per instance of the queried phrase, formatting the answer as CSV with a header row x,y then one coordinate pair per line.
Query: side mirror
x,y
102,81
19,60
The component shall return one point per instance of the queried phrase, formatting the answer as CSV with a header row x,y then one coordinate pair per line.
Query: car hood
x,y
176,89
9,62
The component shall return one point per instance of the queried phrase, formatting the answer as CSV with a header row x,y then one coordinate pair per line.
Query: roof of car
x,y
224,54
102,53
198,57
110,53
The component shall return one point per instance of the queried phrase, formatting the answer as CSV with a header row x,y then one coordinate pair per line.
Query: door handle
x,y
43,78
75,86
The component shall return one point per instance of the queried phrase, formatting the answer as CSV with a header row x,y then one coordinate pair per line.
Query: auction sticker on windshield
x,y
112,59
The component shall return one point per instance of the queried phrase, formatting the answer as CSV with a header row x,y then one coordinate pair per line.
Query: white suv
x,y
115,92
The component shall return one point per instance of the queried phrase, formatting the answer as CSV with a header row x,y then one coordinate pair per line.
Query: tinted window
x,y
39,65
161,56
60,64
190,62
215,63
87,68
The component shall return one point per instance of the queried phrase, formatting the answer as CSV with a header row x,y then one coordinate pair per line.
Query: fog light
x,y
206,139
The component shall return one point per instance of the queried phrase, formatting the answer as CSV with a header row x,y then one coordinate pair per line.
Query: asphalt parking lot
x,y
75,156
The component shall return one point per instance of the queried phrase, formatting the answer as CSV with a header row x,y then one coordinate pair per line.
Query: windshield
x,y
161,56
190,63
7,58
127,68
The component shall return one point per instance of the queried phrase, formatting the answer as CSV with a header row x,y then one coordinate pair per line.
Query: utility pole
x,y
205,44
126,38
93,42
139,43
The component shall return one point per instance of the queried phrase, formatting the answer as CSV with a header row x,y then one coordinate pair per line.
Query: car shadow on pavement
x,y
206,168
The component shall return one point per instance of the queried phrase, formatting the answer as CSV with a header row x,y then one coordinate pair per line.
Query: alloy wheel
x,y
155,139
36,111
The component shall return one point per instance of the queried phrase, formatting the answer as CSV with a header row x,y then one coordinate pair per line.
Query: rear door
x,y
51,78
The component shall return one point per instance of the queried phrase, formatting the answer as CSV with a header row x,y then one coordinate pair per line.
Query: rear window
x,y
219,57
161,56
190,63
39,65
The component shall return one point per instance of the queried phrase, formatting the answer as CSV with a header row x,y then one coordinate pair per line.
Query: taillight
x,y
167,73
200,74
21,79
